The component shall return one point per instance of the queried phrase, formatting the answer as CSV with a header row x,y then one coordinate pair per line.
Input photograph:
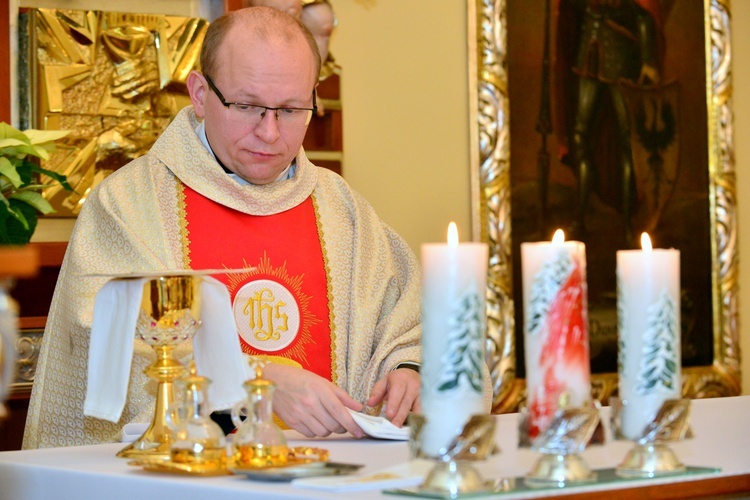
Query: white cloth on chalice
x,y
216,347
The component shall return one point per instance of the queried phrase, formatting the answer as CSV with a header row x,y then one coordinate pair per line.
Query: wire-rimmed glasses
x,y
252,114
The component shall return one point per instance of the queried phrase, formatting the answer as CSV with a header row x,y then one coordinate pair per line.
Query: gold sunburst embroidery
x,y
294,285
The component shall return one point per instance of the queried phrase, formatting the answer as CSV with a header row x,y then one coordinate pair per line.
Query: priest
x,y
332,296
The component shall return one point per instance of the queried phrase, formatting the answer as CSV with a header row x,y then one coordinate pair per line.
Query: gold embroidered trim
x,y
332,322
182,216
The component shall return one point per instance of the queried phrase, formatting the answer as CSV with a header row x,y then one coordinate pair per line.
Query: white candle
x,y
648,313
556,339
454,280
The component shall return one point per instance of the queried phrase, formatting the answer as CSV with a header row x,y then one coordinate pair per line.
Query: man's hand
x,y
400,391
311,404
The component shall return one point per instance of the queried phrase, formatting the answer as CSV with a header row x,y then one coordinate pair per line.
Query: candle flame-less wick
x,y
559,237
646,242
452,235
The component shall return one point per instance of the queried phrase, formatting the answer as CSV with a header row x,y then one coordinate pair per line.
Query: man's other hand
x,y
399,390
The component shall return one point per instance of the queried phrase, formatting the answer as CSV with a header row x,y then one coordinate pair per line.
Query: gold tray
x,y
170,467
301,460
289,472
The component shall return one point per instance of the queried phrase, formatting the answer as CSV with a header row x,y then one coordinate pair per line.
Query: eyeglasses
x,y
252,114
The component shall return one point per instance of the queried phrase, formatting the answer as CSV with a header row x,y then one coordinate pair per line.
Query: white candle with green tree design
x,y
454,280
648,316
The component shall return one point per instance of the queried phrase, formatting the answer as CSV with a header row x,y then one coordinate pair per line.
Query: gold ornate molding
x,y
490,149
27,348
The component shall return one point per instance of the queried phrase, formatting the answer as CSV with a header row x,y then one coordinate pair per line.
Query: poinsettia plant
x,y
20,180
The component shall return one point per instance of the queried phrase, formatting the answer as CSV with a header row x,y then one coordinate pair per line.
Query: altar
x,y
720,448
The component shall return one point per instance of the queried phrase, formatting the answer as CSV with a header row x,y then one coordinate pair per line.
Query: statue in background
x,y
319,18
291,7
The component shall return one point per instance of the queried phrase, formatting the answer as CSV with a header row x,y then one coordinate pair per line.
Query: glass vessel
x,y
197,440
258,441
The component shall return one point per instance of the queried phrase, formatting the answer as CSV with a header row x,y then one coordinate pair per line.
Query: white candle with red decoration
x,y
454,280
556,340
648,317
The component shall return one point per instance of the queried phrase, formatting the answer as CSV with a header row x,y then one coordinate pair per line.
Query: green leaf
x,y
4,216
8,131
44,136
54,175
34,199
20,151
17,213
24,170
12,143
9,171
39,151
19,225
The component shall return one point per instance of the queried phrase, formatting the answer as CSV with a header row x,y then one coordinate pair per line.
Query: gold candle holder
x,y
651,455
560,444
453,473
169,316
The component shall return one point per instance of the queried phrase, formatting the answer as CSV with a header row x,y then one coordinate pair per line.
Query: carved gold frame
x,y
490,151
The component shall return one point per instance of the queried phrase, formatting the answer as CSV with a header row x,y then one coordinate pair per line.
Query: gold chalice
x,y
169,315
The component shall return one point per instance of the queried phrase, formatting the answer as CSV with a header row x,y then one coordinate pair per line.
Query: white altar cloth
x,y
94,472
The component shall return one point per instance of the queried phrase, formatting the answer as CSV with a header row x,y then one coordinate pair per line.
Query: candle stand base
x,y
454,478
559,470
567,435
453,474
651,456
649,460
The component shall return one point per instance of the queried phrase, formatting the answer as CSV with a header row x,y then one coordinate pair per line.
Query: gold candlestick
x,y
169,315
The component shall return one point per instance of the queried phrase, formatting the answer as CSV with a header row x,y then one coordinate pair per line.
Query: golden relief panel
x,y
115,80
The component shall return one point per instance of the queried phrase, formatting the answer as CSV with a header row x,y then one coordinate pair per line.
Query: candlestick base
x,y
454,478
649,460
453,473
559,470
651,456
570,430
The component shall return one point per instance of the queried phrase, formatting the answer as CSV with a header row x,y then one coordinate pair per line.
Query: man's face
x,y
269,73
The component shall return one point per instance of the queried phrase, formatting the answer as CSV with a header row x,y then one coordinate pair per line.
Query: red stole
x,y
281,307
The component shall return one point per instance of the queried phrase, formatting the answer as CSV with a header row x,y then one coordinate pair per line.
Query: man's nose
x,y
268,126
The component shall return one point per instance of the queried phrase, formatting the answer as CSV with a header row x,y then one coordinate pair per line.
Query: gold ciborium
x,y
169,315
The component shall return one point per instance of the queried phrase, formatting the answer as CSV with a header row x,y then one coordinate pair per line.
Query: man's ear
x,y
198,89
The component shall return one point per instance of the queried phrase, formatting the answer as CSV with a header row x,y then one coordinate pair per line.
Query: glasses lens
x,y
252,115
294,117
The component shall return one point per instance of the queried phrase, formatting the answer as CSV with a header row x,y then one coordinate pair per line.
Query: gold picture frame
x,y
491,210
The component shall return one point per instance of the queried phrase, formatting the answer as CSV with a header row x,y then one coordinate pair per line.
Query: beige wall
x,y
404,90
406,135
